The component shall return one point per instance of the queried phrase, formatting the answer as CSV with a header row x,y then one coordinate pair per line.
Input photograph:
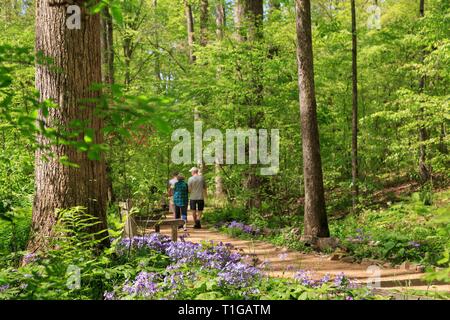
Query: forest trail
x,y
285,263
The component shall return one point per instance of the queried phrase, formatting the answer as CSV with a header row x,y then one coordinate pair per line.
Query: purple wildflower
x,y
109,295
29,257
143,285
4,287
341,280
414,244
238,274
305,278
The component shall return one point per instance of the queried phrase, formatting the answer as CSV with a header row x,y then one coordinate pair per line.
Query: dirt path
x,y
282,262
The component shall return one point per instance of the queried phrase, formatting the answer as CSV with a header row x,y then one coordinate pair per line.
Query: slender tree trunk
x,y
249,25
355,187
107,47
442,145
190,30
157,69
220,19
220,29
76,54
108,76
424,171
316,224
127,53
204,18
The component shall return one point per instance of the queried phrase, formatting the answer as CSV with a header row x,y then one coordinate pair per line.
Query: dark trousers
x,y
181,211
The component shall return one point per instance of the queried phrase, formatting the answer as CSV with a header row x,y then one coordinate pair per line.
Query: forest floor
x,y
282,262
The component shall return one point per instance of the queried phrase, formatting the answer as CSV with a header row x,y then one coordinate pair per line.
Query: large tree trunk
x,y
190,30
424,171
220,19
316,224
355,187
76,54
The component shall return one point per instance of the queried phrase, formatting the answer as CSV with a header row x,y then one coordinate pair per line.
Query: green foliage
x,y
403,232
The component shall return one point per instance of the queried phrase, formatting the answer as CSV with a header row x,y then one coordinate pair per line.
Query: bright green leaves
x,y
114,6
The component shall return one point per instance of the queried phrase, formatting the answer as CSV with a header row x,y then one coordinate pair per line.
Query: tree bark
x,y
76,54
239,19
316,224
190,30
249,19
249,25
107,47
157,65
220,19
355,187
108,75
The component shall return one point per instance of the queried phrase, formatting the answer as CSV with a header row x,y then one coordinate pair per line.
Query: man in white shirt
x,y
197,191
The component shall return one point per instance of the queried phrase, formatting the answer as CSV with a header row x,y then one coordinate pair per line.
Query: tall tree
x,y
249,25
220,29
220,19
355,181
157,65
249,19
107,42
190,30
76,65
316,224
204,18
107,46
424,171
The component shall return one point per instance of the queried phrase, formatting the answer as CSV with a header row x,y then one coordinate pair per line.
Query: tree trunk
x,y
316,224
190,30
204,22
158,76
220,29
107,47
249,19
355,187
424,171
76,54
220,20
108,76
127,54
249,25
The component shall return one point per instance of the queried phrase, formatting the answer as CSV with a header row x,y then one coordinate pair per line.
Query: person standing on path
x,y
180,199
170,187
197,190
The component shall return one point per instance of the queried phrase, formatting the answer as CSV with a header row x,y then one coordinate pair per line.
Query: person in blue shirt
x,y
180,199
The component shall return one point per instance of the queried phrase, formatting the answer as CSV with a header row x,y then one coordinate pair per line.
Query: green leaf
x,y
116,13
